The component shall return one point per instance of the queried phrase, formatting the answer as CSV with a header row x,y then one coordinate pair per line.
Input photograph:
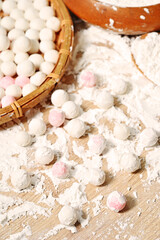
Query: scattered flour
x,y
128,3
26,232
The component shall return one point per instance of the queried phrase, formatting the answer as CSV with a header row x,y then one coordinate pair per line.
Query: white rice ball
x,y
44,155
54,24
148,137
28,88
8,5
32,34
31,14
8,23
22,44
23,139
14,91
67,216
46,12
46,45
51,56
8,68
119,87
130,162
23,4
37,127
25,68
121,131
7,55
22,24
46,67
70,109
96,176
38,78
47,34
37,24
21,57
104,100
36,59
20,179
4,42
39,4
76,128
14,34
59,97
16,14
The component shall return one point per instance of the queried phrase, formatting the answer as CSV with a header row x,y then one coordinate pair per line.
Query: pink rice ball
x,y
88,79
97,144
6,81
7,100
22,81
56,117
116,201
60,170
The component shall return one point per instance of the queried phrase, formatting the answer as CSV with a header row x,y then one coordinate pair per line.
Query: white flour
x,y
130,3
109,57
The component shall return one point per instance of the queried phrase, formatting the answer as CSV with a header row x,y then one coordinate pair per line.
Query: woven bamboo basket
x,y
64,44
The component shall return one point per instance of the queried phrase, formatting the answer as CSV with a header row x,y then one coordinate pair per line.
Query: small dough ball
x,y
8,23
46,67
44,155
38,78
23,139
23,4
32,34
116,201
7,100
22,44
56,117
97,144
67,216
47,34
88,79
14,91
25,68
31,14
14,34
70,109
8,5
21,57
39,4
36,59
8,68
34,46
2,93
22,24
7,55
54,24
4,42
148,137
16,14
37,24
6,81
28,88
130,162
46,45
76,128
119,87
104,100
2,31
20,179
46,12
22,81
60,170
59,97
121,131
96,176
51,56
37,127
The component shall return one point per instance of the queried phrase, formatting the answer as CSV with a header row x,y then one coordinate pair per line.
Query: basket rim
x,y
66,35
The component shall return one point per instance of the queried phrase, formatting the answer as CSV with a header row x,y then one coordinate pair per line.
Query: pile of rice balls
x,y
27,47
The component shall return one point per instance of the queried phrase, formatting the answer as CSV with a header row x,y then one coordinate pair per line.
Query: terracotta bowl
x,y
124,20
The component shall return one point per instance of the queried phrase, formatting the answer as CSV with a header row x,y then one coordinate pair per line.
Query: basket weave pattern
x,y
64,45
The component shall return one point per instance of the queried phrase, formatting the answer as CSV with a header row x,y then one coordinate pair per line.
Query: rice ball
x,y
59,97
130,162
28,88
104,100
76,128
37,127
70,109
121,131
23,139
44,155
20,179
25,68
96,176
67,216
14,91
